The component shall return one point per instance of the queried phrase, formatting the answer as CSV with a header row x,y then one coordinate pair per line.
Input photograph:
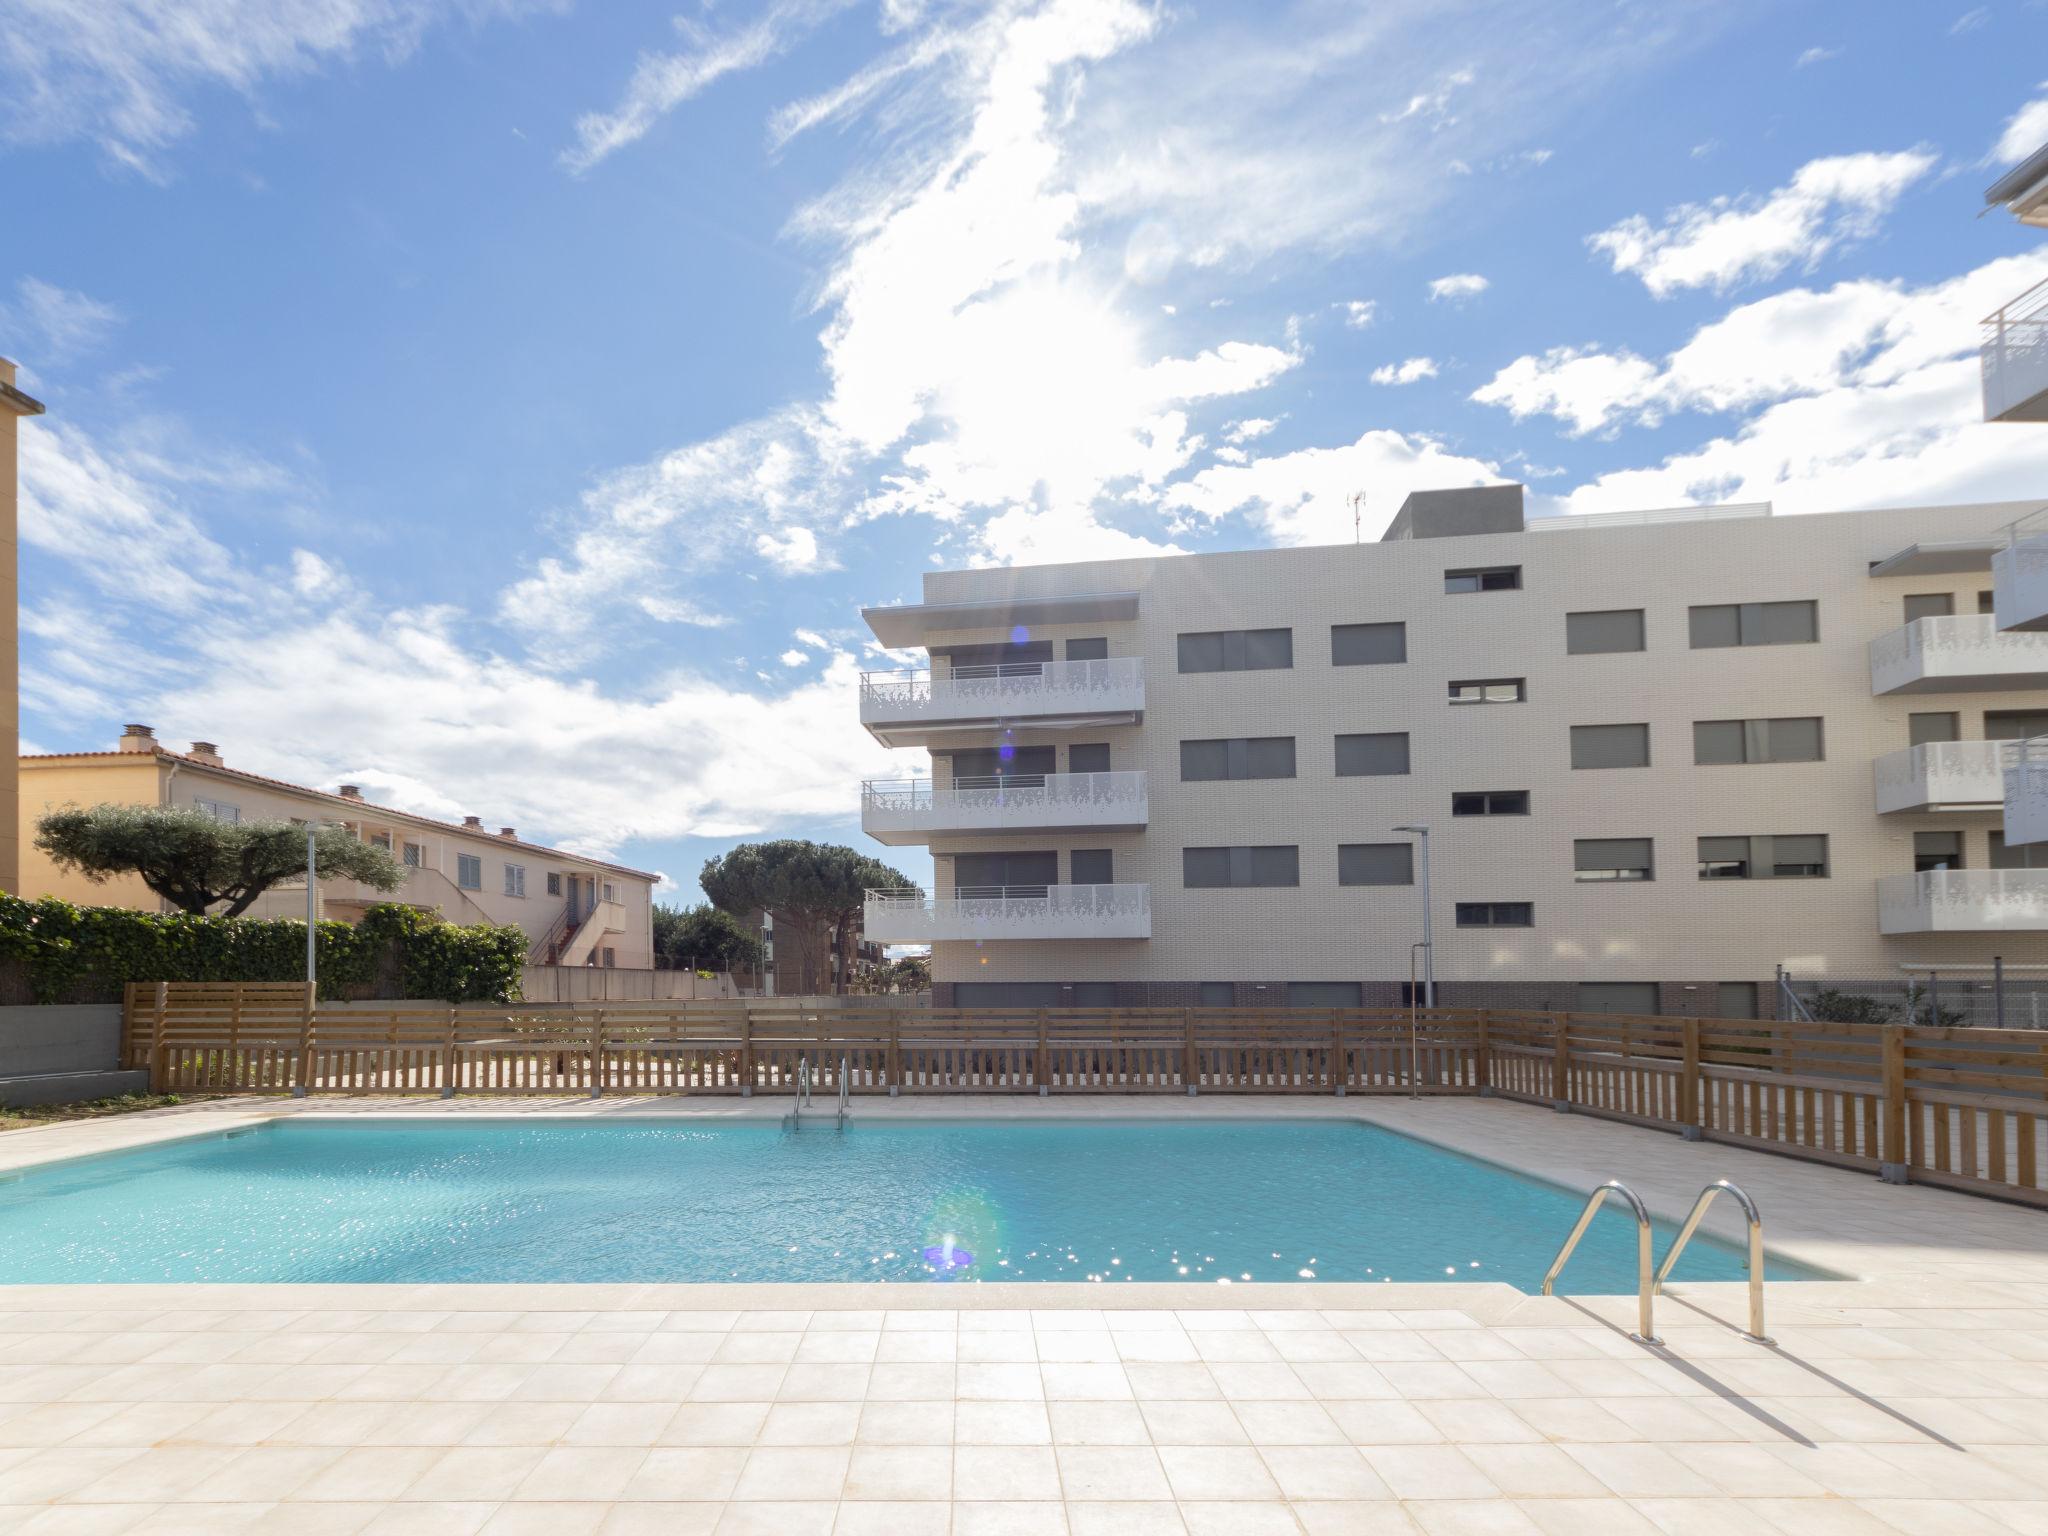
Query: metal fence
x,y
1972,999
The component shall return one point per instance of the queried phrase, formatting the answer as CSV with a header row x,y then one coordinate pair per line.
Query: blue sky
x,y
508,406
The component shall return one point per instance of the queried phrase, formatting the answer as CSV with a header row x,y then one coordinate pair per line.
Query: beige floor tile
x,y
1046,1517
1353,1517
1289,1423
793,1473
545,1520
686,1474
908,1423
919,1383
1199,1423
809,1382
1227,1472
836,1348
302,1519
1586,1517
475,1473
1079,1383
879,1518
1104,1472
661,1519
1425,1472
1005,1473
1641,1471
777,1518
757,1349
1169,1382
927,1348
1468,1517
430,1520
1098,1424
580,1473
378,1475
1533,1471
678,1349
1001,1423
620,1424
737,1384
716,1424
1149,1518
899,1473
1331,1472
810,1424
997,1348
1239,1519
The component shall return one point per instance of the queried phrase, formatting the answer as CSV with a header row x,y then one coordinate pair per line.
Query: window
x,y
1613,629
554,882
1324,994
1987,602
220,810
1237,650
994,767
1612,858
1802,857
1933,725
1484,578
1610,746
1216,994
1375,754
1241,757
2010,724
1617,997
1368,645
1089,994
1006,994
1496,914
1088,649
1735,1000
1929,605
415,856
469,871
1092,866
1207,868
2024,856
1723,624
1088,757
381,840
611,958
1937,850
1793,739
1498,690
611,892
1490,802
1018,874
515,879
1375,863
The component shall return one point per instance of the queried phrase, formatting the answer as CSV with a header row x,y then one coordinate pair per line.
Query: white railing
x,y
995,805
1947,773
2025,764
1644,518
1964,901
1114,685
2014,355
2019,574
1013,912
1958,649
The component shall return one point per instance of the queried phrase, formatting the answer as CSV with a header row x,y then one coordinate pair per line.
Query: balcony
x,y
2015,359
2019,575
1964,653
1964,901
913,811
2026,791
1941,776
1009,912
917,707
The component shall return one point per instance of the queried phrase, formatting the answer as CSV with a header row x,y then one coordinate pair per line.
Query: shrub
x,y
58,952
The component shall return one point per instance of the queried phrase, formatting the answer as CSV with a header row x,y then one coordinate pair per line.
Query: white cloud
x,y
1828,203
1813,56
52,325
119,72
1969,21
1459,285
1434,104
1303,497
795,658
1030,536
662,82
2025,131
813,639
1358,313
1409,372
794,551
315,577
1251,427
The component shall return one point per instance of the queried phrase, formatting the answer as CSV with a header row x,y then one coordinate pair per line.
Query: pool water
x,y
641,1200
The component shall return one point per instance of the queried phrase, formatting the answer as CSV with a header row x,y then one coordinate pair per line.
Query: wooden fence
x,y
1967,1108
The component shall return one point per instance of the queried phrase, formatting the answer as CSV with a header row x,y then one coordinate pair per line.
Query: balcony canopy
x,y
914,624
1950,557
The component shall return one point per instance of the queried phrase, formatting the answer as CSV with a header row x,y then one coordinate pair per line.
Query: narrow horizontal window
x,y
1484,578
1490,802
1236,650
1368,645
1612,858
1716,625
1493,690
1239,757
1496,914
1786,739
1215,868
1802,856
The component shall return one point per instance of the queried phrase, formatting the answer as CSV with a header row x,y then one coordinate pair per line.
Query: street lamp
x,y
1428,946
312,900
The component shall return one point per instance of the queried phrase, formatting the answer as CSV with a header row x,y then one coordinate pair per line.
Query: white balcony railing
x,y
1964,901
2015,359
2019,574
1012,912
2026,790
1940,775
1959,653
910,810
1113,686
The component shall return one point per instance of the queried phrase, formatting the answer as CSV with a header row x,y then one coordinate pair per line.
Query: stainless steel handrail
x,y
1645,1284
842,1092
1756,1249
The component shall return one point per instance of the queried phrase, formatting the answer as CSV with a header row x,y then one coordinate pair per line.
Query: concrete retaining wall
x,y
61,1053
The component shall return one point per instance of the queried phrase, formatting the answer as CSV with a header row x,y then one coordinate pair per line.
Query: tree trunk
x,y
844,961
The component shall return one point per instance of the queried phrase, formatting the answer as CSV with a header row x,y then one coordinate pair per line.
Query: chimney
x,y
137,738
351,792
477,822
508,832
205,752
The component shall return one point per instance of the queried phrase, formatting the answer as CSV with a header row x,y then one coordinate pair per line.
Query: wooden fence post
x,y
1689,1084
1482,1055
1043,1071
448,1055
304,1068
1190,1059
893,1071
1561,1065
597,1054
746,1052
1338,1076
1893,1158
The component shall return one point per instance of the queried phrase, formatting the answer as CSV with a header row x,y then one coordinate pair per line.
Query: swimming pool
x,y
497,1200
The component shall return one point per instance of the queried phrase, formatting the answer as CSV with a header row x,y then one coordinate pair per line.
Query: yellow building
x,y
577,911
13,406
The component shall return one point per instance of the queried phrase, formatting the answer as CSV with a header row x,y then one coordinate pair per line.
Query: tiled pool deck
x,y
1913,1399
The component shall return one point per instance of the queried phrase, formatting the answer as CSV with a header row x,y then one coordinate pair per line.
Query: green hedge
x,y
64,953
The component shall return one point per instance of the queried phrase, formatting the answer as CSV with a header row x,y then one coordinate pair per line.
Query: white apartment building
x,y
1660,756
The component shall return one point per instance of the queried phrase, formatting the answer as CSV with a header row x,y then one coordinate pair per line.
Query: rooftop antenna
x,y
1356,502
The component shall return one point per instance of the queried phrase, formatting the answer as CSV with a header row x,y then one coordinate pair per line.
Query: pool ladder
x,y
1650,1281
794,1120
